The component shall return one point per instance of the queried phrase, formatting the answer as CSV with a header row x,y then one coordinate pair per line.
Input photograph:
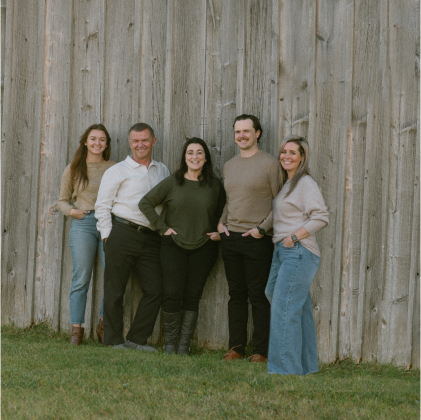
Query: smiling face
x,y
195,157
141,144
246,136
96,143
290,158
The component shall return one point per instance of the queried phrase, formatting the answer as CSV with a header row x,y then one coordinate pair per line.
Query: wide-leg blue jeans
x,y
85,241
292,342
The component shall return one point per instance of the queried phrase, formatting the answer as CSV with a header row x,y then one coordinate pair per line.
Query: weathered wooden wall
x,y
344,73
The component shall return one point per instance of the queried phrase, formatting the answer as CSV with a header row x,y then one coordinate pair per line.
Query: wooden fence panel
x,y
404,39
331,120
54,140
22,126
344,74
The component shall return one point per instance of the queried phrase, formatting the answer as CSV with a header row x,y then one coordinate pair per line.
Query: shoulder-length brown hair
x,y
207,175
302,169
78,167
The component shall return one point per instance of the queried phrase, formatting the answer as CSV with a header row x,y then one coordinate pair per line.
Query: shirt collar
x,y
133,164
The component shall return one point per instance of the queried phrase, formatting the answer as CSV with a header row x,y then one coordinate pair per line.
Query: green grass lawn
x,y
44,377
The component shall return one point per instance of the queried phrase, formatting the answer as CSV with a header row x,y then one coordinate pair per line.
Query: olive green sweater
x,y
189,209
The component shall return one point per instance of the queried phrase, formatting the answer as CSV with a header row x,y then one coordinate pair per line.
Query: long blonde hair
x,y
302,169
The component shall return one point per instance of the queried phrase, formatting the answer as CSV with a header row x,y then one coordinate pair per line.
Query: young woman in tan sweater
x,y
78,193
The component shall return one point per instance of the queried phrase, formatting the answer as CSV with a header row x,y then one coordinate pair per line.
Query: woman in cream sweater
x,y
299,212
78,193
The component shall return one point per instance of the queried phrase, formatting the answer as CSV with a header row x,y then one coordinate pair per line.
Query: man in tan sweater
x,y
251,181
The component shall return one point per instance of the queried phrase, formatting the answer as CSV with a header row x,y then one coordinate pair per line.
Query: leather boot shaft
x,y
171,330
188,325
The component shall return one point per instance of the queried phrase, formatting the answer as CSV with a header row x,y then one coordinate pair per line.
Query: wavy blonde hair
x,y
302,169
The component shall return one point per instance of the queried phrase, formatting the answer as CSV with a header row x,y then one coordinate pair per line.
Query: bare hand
x,y
253,232
223,229
288,242
214,236
78,214
170,231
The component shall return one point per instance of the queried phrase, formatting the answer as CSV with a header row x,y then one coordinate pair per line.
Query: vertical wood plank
x,y
403,42
6,69
330,117
54,138
188,75
416,238
22,121
297,70
360,175
221,79
119,67
86,108
257,82
220,111
151,68
3,44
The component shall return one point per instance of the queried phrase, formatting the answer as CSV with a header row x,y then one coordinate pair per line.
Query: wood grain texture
x,y
22,121
220,111
403,37
344,74
54,139
329,123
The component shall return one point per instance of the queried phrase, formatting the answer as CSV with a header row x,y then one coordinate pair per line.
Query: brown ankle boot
x,y
100,331
77,335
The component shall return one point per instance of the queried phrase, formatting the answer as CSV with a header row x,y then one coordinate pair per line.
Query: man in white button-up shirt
x,y
129,242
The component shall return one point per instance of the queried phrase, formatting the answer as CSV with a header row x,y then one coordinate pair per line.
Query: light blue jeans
x,y
292,342
85,241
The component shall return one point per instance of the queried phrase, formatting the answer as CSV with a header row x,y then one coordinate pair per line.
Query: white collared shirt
x,y
122,187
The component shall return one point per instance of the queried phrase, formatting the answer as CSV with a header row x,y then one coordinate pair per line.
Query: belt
x,y
139,228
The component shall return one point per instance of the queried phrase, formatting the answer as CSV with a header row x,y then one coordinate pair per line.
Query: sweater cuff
x,y
65,208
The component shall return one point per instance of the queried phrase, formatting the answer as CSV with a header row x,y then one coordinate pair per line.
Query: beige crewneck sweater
x,y
304,207
82,199
251,184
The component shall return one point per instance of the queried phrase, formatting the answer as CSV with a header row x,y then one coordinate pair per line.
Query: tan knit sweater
x,y
85,199
251,184
304,207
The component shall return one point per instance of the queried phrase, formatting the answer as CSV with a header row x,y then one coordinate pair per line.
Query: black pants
x,y
247,262
185,272
128,250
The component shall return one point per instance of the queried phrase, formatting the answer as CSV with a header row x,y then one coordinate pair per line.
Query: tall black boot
x,y
188,325
171,330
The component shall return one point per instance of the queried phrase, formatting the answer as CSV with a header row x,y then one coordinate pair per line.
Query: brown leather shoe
x,y
77,335
256,358
100,331
232,355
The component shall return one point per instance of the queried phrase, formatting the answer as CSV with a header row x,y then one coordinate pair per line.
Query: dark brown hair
x,y
207,175
78,167
256,123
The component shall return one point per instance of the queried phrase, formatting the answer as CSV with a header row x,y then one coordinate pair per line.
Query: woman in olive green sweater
x,y
193,200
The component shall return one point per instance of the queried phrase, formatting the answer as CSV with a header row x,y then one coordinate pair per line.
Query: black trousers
x,y
185,272
247,262
128,250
